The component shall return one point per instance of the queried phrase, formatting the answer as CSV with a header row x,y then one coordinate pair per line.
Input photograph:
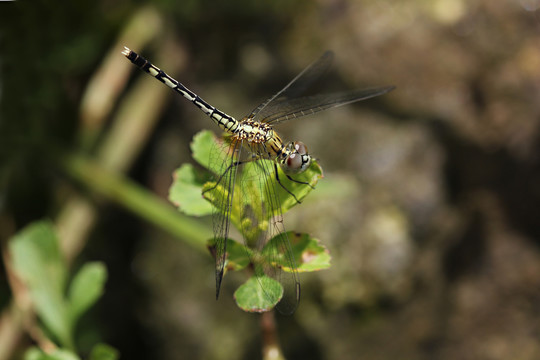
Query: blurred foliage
x,y
38,263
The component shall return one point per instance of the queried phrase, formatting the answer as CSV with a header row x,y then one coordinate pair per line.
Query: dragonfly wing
x,y
273,243
245,195
294,108
223,163
299,84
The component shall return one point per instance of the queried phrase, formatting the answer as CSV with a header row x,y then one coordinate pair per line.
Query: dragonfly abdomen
x,y
224,121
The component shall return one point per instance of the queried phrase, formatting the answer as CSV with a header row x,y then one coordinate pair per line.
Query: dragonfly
x,y
253,140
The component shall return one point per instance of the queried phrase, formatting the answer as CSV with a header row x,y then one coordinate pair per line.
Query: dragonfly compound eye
x,y
300,148
296,163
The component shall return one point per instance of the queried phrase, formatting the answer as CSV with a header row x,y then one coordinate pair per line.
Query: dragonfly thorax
x,y
295,158
254,131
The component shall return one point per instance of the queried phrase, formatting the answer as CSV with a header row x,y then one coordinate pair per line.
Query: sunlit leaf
x,y
186,191
209,150
202,146
309,254
238,255
215,194
300,191
258,294
285,193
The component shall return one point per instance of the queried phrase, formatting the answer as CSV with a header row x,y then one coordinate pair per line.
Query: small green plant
x,y
197,193
38,264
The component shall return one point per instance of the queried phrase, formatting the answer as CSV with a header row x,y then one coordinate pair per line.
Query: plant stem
x,y
136,199
271,349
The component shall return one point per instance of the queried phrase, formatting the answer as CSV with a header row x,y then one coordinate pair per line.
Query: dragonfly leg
x,y
232,165
300,182
283,186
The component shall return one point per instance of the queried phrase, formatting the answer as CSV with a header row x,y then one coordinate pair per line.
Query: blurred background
x,y
429,205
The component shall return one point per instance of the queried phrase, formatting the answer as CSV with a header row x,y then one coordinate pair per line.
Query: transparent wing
x,y
294,108
223,163
299,84
275,245
245,195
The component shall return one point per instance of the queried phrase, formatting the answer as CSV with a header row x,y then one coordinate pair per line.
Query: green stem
x,y
136,199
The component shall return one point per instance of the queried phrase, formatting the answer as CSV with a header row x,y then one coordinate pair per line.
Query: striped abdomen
x,y
224,121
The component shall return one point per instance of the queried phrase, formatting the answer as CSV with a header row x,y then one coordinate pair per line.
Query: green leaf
x,y
186,191
38,262
215,193
309,254
238,256
203,148
311,176
210,152
258,294
254,188
35,353
104,352
255,202
86,288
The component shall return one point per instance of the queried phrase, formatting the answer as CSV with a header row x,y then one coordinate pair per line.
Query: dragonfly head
x,y
297,159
